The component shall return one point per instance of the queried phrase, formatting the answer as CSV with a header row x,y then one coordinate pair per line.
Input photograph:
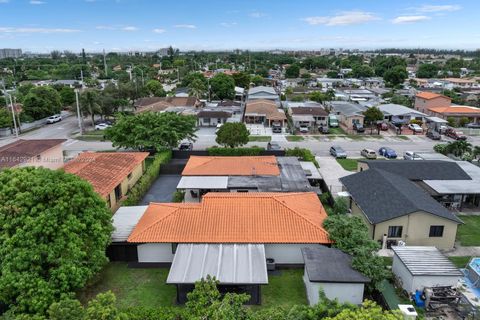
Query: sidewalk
x,y
461,251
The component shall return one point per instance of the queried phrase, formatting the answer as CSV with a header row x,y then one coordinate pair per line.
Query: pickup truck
x,y
454,134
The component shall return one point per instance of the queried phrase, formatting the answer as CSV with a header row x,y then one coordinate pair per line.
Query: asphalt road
x,y
67,128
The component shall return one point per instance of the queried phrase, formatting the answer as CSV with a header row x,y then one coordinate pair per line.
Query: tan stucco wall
x,y
348,121
416,229
51,159
362,166
422,105
126,185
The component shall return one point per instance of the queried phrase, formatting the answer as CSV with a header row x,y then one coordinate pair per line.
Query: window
x,y
206,120
118,192
395,231
436,231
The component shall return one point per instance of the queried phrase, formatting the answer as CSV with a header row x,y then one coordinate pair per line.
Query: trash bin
x,y
270,264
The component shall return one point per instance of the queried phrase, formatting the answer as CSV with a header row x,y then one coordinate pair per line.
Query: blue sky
x,y
121,25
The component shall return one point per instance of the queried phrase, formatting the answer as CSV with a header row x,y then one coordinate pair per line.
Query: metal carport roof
x,y
228,263
203,182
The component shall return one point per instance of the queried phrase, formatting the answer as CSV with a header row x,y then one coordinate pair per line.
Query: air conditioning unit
x,y
408,311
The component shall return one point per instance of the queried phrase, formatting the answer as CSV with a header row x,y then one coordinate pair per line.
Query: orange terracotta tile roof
x,y
105,170
231,166
430,95
455,109
235,218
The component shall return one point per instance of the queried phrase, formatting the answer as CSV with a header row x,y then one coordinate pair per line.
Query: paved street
x,y
319,145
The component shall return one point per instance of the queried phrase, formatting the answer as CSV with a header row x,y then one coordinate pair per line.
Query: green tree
x,y
382,64
90,104
362,71
192,76
232,135
257,80
292,71
369,311
427,70
476,152
222,86
54,231
396,75
5,118
103,308
372,115
42,102
242,79
452,122
155,88
463,121
459,148
66,309
197,88
151,130
402,100
67,96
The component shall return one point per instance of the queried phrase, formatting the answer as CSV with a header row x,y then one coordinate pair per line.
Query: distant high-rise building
x,y
10,53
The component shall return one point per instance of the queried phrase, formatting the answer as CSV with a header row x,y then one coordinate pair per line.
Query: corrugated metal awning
x,y
228,263
203,182
125,220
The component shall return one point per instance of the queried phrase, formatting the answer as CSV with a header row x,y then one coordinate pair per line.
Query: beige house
x,y
392,204
112,174
425,100
46,153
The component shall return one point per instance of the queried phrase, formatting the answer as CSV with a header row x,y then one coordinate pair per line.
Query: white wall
x,y
155,252
343,292
287,253
412,283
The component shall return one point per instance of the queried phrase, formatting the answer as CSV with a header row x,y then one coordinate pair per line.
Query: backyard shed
x,y
330,270
239,268
418,267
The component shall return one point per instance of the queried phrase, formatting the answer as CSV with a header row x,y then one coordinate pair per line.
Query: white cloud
x,y
36,2
105,28
439,8
257,14
185,26
36,30
343,18
409,19
228,24
159,30
130,28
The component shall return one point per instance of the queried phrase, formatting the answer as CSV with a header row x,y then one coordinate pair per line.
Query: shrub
x,y
178,196
141,187
441,148
415,121
216,151
303,154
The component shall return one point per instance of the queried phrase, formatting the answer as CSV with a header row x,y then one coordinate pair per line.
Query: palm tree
x,y
197,88
458,148
90,104
476,152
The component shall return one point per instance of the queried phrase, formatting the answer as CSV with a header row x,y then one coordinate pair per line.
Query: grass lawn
x,y
259,138
468,234
335,130
284,290
132,287
403,137
348,164
460,262
294,138
96,135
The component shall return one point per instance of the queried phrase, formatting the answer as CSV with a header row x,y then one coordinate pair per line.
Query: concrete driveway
x,y
332,171
162,189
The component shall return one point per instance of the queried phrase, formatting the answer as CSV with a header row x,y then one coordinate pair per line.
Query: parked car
x,y
410,155
102,126
273,146
387,152
368,153
323,129
54,118
333,121
454,134
186,146
338,152
218,127
276,128
434,135
304,129
358,127
473,125
415,128
383,126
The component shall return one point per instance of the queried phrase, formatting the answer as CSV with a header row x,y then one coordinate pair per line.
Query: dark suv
x,y
358,127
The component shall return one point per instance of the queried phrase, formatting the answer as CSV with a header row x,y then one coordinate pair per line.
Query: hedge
x,y
216,151
303,154
178,196
145,182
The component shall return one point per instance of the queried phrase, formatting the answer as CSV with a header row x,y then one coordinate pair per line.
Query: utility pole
x,y
11,106
105,63
79,116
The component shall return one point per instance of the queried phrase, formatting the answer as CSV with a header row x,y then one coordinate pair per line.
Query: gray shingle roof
x,y
383,196
421,170
325,264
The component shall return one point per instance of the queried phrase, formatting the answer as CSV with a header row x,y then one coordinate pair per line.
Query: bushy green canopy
x,y
54,230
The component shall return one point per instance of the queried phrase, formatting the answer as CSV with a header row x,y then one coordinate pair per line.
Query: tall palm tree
x,y
90,104
476,152
458,148
197,88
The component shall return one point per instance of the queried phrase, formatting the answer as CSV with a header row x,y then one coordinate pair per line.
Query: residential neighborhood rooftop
x,y
429,95
22,151
235,218
104,170
231,166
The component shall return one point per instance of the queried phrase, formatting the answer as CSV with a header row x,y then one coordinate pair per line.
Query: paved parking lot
x,y
162,189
